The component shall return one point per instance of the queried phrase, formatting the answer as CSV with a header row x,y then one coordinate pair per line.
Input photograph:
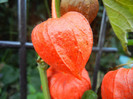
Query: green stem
x,y
121,65
44,81
47,7
57,6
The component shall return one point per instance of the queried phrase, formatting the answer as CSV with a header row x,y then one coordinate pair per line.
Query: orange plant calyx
x,y
64,43
66,86
118,84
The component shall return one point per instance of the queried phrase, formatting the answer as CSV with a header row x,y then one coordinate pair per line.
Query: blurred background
x,y
37,12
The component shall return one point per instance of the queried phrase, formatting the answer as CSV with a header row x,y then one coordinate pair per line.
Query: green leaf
x,y
0,90
32,96
38,95
3,95
34,79
89,94
10,75
15,96
3,1
120,13
31,88
130,42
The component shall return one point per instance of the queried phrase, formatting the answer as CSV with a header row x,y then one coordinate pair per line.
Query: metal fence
x,y
22,45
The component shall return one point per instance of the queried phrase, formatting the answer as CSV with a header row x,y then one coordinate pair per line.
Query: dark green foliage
x,y
89,94
9,74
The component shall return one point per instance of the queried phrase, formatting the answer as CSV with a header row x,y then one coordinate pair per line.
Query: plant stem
x,y
121,65
55,8
47,7
41,66
44,82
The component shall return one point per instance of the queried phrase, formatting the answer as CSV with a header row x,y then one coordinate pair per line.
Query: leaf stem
x,y
121,65
44,82
55,8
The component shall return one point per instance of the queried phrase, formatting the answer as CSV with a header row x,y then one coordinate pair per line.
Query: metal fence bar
x,y
105,49
22,49
16,44
100,45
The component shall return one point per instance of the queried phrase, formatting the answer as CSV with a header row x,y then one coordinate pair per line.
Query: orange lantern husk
x,y
64,43
67,86
118,84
